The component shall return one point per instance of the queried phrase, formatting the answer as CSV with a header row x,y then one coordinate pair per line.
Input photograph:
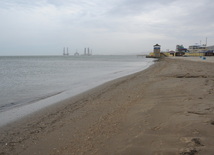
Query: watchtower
x,y
157,50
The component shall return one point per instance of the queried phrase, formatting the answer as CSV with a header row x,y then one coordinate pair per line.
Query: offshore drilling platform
x,y
65,52
87,52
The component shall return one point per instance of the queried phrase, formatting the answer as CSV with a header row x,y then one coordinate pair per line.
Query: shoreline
x,y
61,100
14,112
166,109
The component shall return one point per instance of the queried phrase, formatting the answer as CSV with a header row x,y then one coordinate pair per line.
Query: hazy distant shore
x,y
165,109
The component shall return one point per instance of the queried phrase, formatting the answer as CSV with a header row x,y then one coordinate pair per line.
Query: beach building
x,y
210,47
193,50
210,51
200,50
157,50
197,48
171,53
180,50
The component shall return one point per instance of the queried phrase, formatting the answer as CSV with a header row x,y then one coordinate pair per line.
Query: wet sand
x,y
165,109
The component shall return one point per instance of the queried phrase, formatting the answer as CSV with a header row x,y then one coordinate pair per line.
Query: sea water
x,y
30,83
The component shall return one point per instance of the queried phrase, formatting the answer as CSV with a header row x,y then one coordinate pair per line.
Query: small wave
x,y
11,105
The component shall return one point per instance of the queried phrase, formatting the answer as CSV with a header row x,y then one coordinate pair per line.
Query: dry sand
x,y
198,59
166,109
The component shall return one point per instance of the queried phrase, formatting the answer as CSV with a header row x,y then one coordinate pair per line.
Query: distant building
x,y
197,48
210,47
209,51
180,50
193,50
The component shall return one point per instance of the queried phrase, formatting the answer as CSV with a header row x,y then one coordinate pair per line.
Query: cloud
x,y
46,26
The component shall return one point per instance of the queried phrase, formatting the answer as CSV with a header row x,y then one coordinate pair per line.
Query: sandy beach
x,y
166,109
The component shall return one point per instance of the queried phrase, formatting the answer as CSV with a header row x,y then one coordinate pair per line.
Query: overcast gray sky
x,y
44,27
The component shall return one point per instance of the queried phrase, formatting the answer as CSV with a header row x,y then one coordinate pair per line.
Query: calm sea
x,y
30,80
